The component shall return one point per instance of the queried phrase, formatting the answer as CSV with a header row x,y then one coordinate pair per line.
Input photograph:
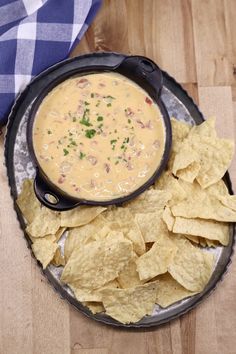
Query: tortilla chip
x,y
180,131
209,229
80,216
168,218
212,243
59,233
28,202
51,238
168,182
94,307
186,164
76,237
151,225
44,251
206,156
128,277
191,267
170,291
157,259
45,222
228,200
149,201
194,239
122,219
130,305
91,295
98,262
201,203
58,259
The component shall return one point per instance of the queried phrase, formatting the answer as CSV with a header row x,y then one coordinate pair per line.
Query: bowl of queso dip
x,y
98,138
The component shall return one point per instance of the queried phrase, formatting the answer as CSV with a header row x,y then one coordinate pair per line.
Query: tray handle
x,y
49,198
142,69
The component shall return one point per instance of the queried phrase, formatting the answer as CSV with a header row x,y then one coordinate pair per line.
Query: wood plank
x,y
16,324
33,318
215,314
161,30
215,41
50,317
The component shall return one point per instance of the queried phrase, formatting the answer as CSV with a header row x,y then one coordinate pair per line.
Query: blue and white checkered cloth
x,y
35,34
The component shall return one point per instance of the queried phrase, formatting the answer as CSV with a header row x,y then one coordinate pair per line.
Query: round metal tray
x,y
19,166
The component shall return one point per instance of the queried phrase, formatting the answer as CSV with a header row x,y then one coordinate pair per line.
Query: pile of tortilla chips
x,y
124,260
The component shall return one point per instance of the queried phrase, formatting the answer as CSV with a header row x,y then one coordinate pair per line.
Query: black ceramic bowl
x,y
139,69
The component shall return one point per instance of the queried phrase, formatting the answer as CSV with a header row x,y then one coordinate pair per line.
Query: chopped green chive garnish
x,y
86,103
81,155
113,141
116,163
49,132
113,98
99,118
98,103
70,134
66,152
115,131
92,95
100,126
89,133
85,121
74,119
109,105
129,121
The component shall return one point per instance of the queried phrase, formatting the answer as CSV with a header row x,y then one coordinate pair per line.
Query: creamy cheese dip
x,y
98,136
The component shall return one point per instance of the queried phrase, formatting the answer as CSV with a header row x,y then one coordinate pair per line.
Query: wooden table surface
x,y
194,41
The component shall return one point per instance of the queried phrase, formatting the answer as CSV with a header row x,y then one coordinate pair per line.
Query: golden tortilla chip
x,y
194,239
191,267
157,259
80,216
202,242
207,128
212,243
180,131
228,200
201,203
170,291
91,295
128,277
186,164
209,229
151,225
58,259
122,219
98,262
28,202
149,201
168,218
94,307
44,251
168,182
130,305
45,223
51,238
59,233
208,156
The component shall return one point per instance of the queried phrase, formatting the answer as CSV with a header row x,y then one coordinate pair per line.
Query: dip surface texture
x,y
99,136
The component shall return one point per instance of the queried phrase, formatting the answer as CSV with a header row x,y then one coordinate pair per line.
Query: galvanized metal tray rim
x,y
13,122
